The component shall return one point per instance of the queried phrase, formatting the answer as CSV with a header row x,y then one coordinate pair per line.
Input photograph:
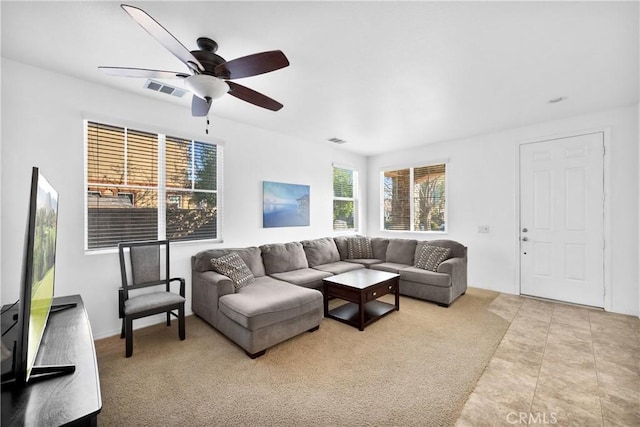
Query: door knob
x,y
524,239
524,230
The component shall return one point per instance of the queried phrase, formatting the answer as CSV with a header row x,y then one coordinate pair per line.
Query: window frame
x,y
411,168
355,199
162,188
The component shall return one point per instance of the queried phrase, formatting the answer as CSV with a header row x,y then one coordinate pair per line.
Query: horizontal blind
x,y
122,185
342,182
429,199
397,199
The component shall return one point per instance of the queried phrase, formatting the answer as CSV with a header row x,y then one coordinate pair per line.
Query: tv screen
x,y
38,273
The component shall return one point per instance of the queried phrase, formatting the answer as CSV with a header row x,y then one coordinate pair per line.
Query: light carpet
x,y
415,367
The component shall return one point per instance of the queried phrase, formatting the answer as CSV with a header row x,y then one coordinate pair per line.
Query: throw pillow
x,y
359,248
431,256
232,266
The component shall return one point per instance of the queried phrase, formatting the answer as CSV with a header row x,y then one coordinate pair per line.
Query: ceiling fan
x,y
209,74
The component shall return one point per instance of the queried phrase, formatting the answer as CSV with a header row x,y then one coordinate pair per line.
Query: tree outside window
x,y
344,198
414,199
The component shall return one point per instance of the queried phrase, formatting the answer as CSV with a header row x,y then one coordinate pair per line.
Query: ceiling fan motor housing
x,y
207,57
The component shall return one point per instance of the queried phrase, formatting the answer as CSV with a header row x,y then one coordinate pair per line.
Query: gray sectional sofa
x,y
283,297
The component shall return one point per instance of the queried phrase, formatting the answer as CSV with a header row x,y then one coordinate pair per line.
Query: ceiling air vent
x,y
336,140
164,88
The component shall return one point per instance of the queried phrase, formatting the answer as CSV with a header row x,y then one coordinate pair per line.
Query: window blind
x,y
414,199
127,176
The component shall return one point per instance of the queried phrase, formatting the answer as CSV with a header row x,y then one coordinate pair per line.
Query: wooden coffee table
x,y
361,288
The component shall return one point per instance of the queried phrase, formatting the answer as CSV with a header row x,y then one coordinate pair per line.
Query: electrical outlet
x,y
483,229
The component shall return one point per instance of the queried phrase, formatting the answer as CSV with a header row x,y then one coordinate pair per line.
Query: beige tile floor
x,y
559,364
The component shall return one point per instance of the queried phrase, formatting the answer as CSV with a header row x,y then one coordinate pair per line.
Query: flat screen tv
x,y
37,285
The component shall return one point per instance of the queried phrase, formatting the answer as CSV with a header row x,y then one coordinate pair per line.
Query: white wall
x,y
483,190
42,116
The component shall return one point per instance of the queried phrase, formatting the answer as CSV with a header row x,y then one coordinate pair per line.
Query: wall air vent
x,y
164,88
336,140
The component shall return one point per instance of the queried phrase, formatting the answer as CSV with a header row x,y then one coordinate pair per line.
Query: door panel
x,y
562,219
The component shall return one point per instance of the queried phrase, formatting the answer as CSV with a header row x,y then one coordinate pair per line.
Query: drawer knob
x,y
375,293
390,287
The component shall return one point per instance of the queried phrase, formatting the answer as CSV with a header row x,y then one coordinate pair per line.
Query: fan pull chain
x,y
207,127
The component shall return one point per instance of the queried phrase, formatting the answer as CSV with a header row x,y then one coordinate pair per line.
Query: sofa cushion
x,y
418,275
234,267
281,257
367,262
306,277
401,251
391,267
430,257
458,250
339,267
251,256
202,260
341,244
359,247
267,302
379,247
320,251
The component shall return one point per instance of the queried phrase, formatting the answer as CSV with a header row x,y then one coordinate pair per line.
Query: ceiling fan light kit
x,y
206,86
208,72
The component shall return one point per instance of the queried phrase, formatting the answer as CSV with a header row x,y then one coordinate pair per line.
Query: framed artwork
x,y
285,205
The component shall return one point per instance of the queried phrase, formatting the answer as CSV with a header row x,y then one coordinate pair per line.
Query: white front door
x,y
562,219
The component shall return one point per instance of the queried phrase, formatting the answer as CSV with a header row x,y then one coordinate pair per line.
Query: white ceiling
x,y
381,75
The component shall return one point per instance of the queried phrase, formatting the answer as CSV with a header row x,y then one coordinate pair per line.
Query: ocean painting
x,y
285,205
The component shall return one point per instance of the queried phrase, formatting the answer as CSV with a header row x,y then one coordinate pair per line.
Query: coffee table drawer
x,y
377,292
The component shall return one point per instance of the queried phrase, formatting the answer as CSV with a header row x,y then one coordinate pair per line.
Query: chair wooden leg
x,y
181,323
129,337
168,318
314,329
122,331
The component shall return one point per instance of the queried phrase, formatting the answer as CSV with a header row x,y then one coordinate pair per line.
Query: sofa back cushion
x,y
251,256
458,250
281,257
341,244
401,251
379,247
320,251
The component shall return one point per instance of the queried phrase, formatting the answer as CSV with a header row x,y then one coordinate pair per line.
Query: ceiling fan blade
x,y
253,97
142,73
163,36
252,65
200,107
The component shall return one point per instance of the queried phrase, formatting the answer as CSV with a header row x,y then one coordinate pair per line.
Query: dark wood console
x,y
73,399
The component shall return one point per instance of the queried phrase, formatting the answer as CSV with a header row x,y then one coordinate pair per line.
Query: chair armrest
x,y
121,299
181,279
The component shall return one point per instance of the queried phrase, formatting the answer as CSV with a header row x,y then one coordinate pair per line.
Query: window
x,y
129,172
345,205
414,199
